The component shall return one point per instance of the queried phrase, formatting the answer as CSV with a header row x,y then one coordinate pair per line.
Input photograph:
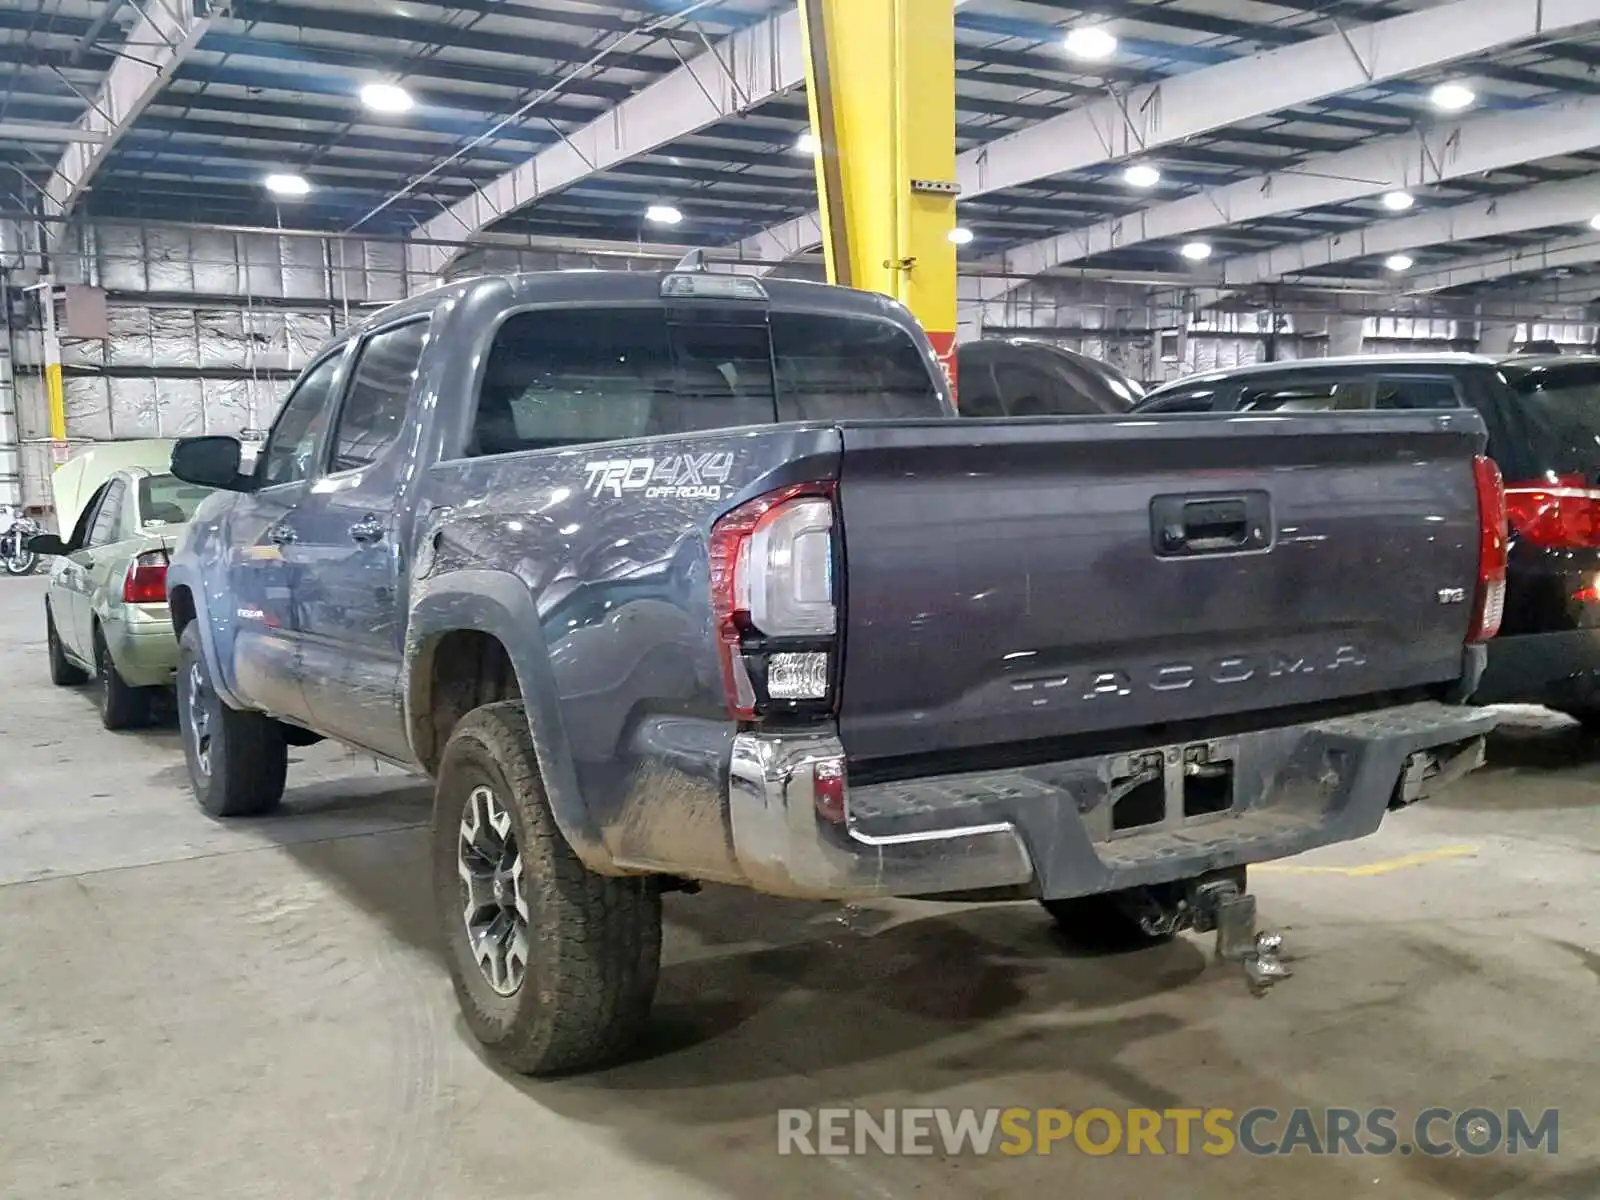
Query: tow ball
x,y
1215,903
1231,912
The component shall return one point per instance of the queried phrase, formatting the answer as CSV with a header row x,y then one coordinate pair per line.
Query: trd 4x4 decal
x,y
675,477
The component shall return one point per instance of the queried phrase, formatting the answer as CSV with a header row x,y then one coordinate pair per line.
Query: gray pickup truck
x,y
670,578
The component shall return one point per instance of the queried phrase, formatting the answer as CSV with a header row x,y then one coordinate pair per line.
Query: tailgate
x,y
1018,580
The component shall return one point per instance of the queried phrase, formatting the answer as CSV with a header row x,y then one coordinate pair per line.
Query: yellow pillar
x,y
52,368
880,78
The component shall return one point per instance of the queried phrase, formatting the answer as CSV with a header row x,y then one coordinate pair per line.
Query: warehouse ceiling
x,y
1500,180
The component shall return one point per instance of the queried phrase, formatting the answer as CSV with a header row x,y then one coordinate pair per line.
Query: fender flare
x,y
221,680
498,603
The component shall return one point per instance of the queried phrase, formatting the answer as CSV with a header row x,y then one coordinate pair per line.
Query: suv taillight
x,y
146,580
1490,602
774,602
1560,512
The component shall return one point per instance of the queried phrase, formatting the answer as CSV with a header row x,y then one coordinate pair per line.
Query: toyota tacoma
x,y
679,578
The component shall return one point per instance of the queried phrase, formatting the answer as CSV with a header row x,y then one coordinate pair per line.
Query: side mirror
x,y
47,543
211,462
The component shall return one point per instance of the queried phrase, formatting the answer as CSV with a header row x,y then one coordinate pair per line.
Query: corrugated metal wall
x,y
10,441
1125,325
206,330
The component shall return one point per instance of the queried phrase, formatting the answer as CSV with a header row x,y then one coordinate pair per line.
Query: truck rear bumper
x,y
1086,825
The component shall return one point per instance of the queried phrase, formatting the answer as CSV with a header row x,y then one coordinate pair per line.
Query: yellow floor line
x,y
1418,859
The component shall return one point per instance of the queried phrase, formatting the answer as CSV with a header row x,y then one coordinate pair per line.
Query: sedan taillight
x,y
146,580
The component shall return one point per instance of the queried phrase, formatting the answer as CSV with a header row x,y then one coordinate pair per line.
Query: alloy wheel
x,y
102,673
494,900
195,705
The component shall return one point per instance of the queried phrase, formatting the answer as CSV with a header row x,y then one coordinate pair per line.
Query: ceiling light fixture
x,y
1141,175
1091,42
386,98
1196,251
961,236
806,143
287,185
662,214
1398,201
1399,262
1452,97
1594,221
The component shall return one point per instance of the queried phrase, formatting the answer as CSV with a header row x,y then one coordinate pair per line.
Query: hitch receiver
x,y
1220,903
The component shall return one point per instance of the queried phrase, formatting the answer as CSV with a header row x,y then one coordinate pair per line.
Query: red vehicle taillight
x,y
772,597
146,580
1560,512
1490,603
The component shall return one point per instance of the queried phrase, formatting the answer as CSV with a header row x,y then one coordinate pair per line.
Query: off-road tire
x,y
62,672
121,705
594,940
248,758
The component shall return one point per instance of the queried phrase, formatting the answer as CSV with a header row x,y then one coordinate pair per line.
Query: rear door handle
x,y
282,534
367,530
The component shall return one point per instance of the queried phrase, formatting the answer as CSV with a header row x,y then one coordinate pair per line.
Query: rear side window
x,y
375,404
1416,391
1331,394
1305,395
571,377
1559,407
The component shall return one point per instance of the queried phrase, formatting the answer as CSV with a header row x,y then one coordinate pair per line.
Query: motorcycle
x,y
14,553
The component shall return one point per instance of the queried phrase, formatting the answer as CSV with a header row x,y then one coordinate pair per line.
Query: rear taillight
x,y
1490,602
773,600
1560,512
146,580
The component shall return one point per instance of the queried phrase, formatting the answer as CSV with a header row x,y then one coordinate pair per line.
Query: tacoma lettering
x,y
1175,677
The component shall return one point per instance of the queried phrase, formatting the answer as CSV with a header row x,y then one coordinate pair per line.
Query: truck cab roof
x,y
588,286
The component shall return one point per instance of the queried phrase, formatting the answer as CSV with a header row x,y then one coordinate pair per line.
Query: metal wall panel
x,y
203,328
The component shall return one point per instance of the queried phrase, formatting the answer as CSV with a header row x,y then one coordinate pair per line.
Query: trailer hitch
x,y
1212,903
1221,905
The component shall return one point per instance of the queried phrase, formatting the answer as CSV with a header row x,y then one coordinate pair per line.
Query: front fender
x,y
499,604
181,575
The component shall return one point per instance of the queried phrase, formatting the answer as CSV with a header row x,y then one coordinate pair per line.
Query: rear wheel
x,y
122,706
62,672
555,967
237,760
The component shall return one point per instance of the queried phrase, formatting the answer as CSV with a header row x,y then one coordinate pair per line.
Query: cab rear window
x,y
578,376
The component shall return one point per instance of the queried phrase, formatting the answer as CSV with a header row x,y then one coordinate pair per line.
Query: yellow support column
x,y
880,77
54,394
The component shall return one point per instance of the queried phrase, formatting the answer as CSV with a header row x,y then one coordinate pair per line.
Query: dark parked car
x,y
692,577
1543,417
1023,377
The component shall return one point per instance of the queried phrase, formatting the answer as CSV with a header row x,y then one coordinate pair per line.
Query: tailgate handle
x,y
1215,523
1184,526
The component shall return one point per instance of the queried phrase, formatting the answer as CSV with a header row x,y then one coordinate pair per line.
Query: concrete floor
x,y
258,1010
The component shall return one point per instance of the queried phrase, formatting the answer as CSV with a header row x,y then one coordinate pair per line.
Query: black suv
x,y
1543,414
